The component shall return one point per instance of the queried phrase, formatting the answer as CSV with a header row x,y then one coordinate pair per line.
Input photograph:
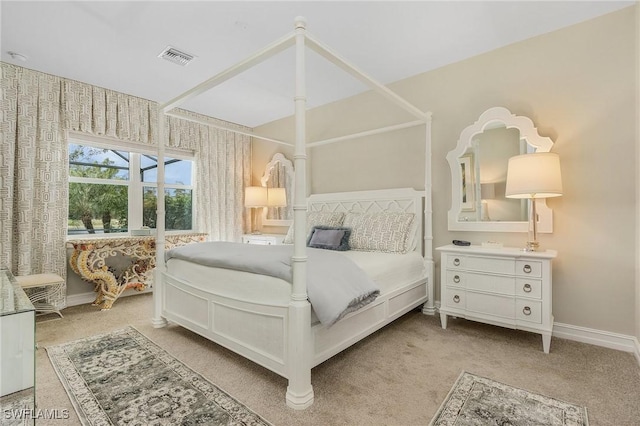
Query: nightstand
x,y
507,287
263,239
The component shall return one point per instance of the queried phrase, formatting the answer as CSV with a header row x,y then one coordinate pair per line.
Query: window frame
x,y
134,184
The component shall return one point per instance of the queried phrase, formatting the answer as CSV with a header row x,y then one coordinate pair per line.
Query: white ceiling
x,y
114,44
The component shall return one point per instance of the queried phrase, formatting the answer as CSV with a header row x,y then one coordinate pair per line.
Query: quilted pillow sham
x,y
332,219
386,232
329,238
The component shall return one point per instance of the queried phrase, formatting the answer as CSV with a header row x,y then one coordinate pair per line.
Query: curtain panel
x,y
33,173
37,111
223,167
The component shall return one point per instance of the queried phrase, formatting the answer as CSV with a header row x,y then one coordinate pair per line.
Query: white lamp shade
x,y
535,175
255,196
277,197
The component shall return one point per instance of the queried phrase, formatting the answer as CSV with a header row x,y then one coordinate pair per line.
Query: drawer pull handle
x,y
526,310
527,269
456,298
527,288
456,279
456,262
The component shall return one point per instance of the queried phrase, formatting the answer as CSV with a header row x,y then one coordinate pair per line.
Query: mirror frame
x,y
529,133
288,165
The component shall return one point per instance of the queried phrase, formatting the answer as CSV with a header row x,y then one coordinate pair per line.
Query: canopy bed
x,y
268,318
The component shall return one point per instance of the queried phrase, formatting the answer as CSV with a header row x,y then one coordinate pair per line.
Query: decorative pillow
x,y
317,219
330,238
412,236
385,231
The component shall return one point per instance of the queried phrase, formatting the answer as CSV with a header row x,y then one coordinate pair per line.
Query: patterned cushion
x,y
317,219
385,231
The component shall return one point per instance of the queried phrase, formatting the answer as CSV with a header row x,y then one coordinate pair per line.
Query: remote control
x,y
461,243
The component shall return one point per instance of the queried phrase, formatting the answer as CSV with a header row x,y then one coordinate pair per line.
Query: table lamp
x,y
255,197
487,192
276,197
533,176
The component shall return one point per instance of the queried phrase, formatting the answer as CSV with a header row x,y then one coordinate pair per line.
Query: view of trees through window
x,y
112,191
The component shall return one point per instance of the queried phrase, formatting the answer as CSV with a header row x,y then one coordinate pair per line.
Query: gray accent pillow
x,y
329,238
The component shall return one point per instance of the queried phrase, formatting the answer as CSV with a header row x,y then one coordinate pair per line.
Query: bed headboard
x,y
402,200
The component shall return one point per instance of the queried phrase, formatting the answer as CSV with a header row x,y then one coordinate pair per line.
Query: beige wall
x,y
577,85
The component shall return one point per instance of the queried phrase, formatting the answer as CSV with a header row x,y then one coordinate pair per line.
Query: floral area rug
x,y
124,378
475,400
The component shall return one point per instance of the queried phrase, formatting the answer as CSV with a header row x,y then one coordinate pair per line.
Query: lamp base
x,y
532,246
484,211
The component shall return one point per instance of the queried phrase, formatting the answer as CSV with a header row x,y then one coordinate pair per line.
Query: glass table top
x,y
13,299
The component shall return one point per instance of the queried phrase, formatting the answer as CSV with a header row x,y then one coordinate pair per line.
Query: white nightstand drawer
x,y
481,264
529,311
490,304
528,268
528,288
455,278
455,298
491,283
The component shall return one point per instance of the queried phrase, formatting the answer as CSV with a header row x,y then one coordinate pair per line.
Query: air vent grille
x,y
176,56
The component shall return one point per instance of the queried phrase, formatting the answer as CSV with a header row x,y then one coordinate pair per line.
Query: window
x,y
113,189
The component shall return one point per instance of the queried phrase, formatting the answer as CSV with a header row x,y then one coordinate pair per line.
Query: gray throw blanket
x,y
335,284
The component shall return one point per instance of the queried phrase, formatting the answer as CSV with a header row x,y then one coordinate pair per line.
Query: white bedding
x,y
389,270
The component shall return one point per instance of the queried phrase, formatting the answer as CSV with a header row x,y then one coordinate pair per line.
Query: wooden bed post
x,y
429,307
158,320
299,392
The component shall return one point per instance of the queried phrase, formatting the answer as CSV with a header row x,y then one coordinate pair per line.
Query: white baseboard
x,y
90,296
80,298
592,336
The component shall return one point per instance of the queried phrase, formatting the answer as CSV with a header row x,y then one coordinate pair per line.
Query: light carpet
x,y
476,400
122,377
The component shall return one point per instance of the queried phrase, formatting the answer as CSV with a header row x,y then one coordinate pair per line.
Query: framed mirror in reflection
x,y
479,173
279,173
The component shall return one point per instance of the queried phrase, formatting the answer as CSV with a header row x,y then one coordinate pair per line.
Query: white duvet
x,y
335,284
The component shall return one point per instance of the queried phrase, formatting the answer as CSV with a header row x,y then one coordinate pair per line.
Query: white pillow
x,y
332,219
386,232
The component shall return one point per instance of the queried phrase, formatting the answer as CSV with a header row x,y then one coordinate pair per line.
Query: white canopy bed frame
x,y
301,344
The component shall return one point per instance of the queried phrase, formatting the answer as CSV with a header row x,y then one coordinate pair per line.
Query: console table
x,y
89,262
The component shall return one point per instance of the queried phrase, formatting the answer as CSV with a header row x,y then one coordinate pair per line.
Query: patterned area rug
x,y
475,400
17,409
124,378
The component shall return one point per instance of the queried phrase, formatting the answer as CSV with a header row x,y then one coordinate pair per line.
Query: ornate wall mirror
x,y
479,173
279,174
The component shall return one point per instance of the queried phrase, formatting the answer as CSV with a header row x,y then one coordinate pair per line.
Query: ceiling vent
x,y
176,56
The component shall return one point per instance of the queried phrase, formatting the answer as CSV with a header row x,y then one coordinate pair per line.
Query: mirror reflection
x,y
485,180
279,173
